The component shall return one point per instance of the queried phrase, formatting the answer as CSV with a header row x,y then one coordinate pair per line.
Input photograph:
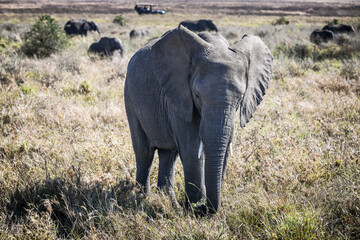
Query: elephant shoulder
x,y
94,44
104,40
141,60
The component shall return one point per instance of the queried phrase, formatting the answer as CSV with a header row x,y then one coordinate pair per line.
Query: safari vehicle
x,y
145,8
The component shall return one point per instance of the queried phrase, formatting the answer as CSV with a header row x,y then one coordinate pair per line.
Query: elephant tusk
x,y
230,149
200,149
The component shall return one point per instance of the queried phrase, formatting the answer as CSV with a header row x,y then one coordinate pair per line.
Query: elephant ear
x,y
86,26
171,62
259,72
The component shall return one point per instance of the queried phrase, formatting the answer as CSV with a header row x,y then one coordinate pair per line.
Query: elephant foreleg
x,y
143,152
166,176
167,160
194,174
143,165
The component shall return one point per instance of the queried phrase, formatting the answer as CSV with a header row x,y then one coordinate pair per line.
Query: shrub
x,y
336,52
262,34
26,89
281,21
84,88
301,51
348,50
351,69
7,46
120,20
45,38
335,21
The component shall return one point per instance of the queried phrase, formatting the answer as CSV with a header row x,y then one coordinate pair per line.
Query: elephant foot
x,y
169,191
142,190
202,211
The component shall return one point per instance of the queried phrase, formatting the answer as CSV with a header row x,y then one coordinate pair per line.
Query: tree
x,y
45,37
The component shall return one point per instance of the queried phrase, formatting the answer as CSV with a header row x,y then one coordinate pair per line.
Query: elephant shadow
x,y
71,204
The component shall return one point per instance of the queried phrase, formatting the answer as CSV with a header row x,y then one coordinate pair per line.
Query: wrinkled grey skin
x,y
200,25
321,36
184,88
106,46
340,29
138,33
80,27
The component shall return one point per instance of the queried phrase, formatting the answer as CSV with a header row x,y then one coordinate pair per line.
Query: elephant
x,y
200,25
181,93
340,29
80,27
106,46
138,33
319,36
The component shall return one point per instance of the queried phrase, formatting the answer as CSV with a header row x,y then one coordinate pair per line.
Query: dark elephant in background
x,y
80,27
138,33
182,92
321,36
106,46
200,25
340,29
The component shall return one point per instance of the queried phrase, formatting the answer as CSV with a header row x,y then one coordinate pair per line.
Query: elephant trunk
x,y
216,136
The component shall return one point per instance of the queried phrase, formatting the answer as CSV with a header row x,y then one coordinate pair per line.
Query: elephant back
x,y
340,28
318,36
200,25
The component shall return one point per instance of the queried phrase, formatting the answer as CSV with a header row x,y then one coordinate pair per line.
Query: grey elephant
x,y
80,27
321,36
182,92
200,25
340,29
106,46
135,33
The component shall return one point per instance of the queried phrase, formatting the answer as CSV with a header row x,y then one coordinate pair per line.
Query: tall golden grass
x,y
68,169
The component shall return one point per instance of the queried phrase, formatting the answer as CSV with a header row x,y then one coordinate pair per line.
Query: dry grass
x,y
67,165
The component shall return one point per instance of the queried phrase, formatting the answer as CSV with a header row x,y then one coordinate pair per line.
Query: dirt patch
x,y
238,8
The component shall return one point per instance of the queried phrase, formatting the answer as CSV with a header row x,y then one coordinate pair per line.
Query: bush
x,y
120,20
45,38
348,50
281,21
300,51
84,88
7,46
335,21
351,69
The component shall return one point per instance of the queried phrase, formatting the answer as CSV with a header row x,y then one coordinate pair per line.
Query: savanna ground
x,y
68,169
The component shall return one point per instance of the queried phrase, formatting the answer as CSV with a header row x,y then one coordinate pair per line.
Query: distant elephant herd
x,y
107,46
328,33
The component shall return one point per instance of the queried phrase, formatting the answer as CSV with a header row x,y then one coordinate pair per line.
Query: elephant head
x,y
91,26
211,25
203,77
